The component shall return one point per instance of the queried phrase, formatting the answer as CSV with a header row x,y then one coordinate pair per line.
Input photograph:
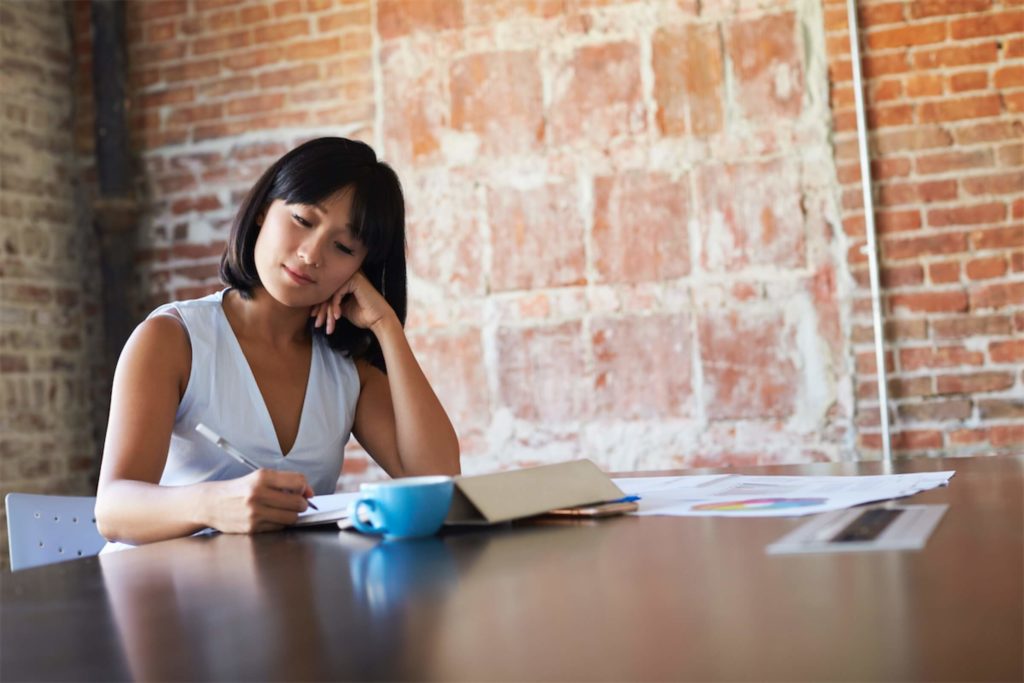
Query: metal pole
x,y
869,227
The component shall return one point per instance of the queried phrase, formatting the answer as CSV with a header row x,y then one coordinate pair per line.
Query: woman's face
x,y
305,252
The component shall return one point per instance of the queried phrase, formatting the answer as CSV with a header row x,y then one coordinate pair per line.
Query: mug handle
x,y
370,505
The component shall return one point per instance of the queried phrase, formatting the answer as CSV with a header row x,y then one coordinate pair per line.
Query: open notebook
x,y
333,506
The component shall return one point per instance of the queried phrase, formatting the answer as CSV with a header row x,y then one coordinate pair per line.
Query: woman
x,y
304,347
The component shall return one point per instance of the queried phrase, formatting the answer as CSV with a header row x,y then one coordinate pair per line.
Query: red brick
x,y
537,237
970,326
866,364
498,96
993,212
191,71
986,268
687,64
256,103
246,61
954,301
977,382
1006,351
899,387
283,8
928,245
1013,102
1011,155
165,97
640,227
1009,77
340,21
289,76
158,9
309,50
989,131
935,411
996,409
895,330
898,221
944,272
254,14
957,56
401,17
766,59
882,169
181,116
942,357
991,24
874,15
894,194
764,226
1006,435
924,85
932,8
597,95
746,359
1006,183
970,80
945,162
968,436
961,108
540,373
225,42
899,115
642,367
997,295
998,238
906,36
905,440
884,90
281,32
919,137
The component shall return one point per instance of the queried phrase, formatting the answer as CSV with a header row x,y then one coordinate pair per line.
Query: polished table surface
x,y
629,598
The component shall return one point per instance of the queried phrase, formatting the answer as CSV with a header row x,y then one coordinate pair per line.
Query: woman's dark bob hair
x,y
310,174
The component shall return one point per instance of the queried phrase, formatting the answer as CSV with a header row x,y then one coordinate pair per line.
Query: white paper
x,y
738,495
333,506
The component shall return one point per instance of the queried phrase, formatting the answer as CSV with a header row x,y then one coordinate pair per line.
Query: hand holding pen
x,y
222,443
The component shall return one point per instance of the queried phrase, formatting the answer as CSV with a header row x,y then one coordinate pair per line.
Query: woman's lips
x,y
298,277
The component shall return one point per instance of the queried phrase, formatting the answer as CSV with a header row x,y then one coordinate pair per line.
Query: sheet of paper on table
x,y
739,495
333,506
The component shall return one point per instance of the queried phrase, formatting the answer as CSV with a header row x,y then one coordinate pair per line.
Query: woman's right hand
x,y
265,500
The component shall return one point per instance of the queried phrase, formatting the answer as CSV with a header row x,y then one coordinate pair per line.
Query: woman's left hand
x,y
365,307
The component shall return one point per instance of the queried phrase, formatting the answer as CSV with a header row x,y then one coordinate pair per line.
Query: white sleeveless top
x,y
222,394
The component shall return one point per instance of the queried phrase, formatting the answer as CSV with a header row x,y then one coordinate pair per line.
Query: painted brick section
x,y
951,163
49,327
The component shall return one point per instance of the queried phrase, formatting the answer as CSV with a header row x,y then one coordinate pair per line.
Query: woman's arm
x,y
399,420
131,506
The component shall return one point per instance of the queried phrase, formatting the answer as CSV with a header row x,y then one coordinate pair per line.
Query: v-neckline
x,y
254,385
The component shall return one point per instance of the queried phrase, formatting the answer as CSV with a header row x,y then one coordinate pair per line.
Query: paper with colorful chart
x,y
739,495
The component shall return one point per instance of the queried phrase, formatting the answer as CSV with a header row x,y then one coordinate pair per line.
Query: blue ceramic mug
x,y
403,508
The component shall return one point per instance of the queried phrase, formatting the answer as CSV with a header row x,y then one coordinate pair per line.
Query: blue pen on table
x,y
626,499
222,443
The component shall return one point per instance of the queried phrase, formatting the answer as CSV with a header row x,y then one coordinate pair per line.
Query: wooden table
x,y
653,598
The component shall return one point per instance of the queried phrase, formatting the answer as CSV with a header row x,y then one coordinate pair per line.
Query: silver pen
x,y
223,444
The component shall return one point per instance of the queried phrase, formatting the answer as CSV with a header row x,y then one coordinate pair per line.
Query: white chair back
x,y
46,529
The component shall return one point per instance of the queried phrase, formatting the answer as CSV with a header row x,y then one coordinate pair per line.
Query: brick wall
x,y
633,227
945,83
49,343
